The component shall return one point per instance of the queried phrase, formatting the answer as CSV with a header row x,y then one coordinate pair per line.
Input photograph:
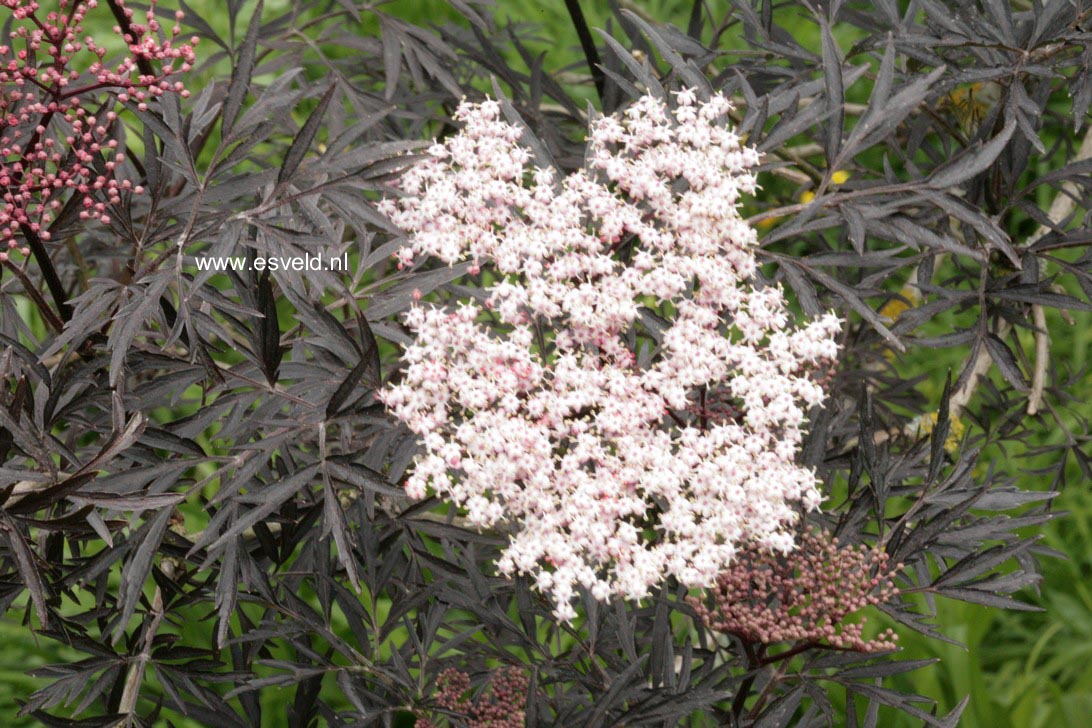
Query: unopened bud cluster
x,y
552,409
502,706
804,596
57,123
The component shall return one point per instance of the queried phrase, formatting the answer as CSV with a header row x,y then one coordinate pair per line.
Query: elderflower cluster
x,y
555,409
805,596
503,706
57,127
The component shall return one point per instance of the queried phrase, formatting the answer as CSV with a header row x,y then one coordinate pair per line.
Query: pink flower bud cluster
x,y
57,129
552,409
804,596
504,707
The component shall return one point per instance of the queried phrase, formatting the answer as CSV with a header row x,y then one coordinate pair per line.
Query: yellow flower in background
x,y
836,178
807,197
891,310
908,297
923,427
972,102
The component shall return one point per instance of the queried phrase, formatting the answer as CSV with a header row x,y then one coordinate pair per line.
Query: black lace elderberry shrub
x,y
202,513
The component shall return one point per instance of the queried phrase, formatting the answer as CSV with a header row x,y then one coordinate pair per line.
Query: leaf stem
x,y
754,664
28,287
587,43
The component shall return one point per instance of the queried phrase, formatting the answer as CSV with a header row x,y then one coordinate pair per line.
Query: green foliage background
x,y
1021,669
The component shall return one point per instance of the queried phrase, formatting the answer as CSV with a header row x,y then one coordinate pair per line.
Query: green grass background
x,y
1022,670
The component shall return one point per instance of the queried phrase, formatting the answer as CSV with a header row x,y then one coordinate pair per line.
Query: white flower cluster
x,y
536,412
